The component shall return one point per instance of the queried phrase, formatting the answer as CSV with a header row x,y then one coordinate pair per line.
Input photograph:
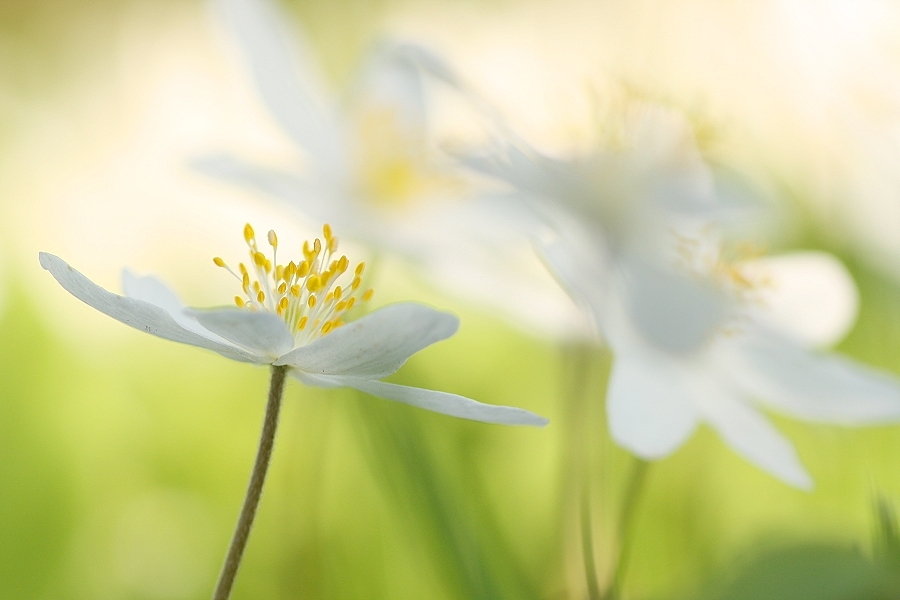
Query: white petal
x,y
753,437
809,296
811,385
389,80
648,407
376,345
673,311
261,332
152,290
285,77
137,313
440,402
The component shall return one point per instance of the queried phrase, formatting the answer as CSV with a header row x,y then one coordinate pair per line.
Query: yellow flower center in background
x,y
305,294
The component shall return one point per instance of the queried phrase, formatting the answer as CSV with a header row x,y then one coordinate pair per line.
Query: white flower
x,y
696,338
702,340
371,169
292,315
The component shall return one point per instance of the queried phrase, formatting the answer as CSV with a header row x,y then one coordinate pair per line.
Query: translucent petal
x,y
285,78
647,403
376,345
753,437
152,290
440,402
137,313
814,386
261,332
808,296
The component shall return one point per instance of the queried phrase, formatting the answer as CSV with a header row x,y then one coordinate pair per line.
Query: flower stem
x,y
254,488
626,526
587,539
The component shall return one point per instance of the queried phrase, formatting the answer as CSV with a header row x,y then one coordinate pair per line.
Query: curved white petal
x,y
376,345
808,296
648,406
137,313
285,78
261,332
814,386
152,290
440,402
673,311
752,436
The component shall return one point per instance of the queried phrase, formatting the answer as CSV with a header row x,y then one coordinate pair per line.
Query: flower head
x,y
293,315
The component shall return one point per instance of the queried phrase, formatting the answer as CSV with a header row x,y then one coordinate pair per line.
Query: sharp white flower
x,y
293,315
371,169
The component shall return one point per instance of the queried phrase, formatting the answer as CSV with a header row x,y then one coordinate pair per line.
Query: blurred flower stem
x,y
254,488
579,359
627,515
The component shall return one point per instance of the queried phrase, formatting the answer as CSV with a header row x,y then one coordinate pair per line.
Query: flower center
x,y
305,294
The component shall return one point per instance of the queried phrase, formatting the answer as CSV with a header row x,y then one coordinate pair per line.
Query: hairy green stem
x,y
254,488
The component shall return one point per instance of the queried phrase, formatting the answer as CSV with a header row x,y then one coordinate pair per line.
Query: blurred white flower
x,y
371,170
292,315
705,341
696,337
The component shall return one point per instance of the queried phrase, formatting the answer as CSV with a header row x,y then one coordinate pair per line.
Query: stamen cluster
x,y
305,294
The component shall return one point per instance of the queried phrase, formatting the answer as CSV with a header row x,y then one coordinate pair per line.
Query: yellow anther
x,y
350,302
295,291
248,233
268,266
243,269
329,297
311,302
343,264
283,304
239,301
356,283
360,268
282,288
337,292
368,295
279,272
259,259
303,269
340,305
245,281
313,284
256,287
289,271
302,323
326,327
306,249
326,229
273,239
219,262
261,296
317,246
333,244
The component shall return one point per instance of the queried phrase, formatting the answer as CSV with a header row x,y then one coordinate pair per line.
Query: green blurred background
x,y
123,458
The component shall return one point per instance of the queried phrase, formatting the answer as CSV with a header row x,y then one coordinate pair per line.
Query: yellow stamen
x,y
368,295
248,233
273,239
239,301
261,296
219,262
311,302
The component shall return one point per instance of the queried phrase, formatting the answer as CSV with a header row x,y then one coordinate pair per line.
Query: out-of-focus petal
x,y
810,385
139,314
440,402
261,332
285,78
753,437
808,296
671,310
649,410
376,345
